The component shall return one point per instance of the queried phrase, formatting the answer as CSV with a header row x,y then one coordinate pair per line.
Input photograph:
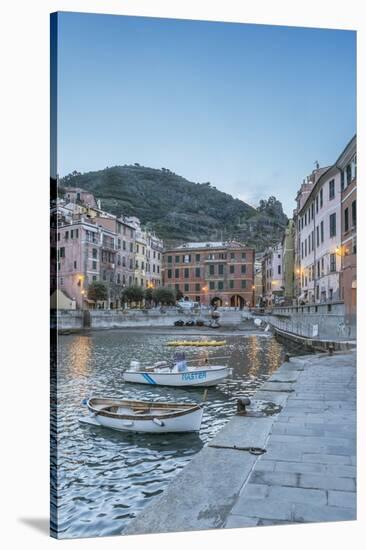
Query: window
x,y
58,236
118,278
322,231
94,265
186,287
306,218
124,261
232,269
198,257
75,264
349,174
186,272
243,284
243,255
176,287
279,270
177,258
137,248
332,225
317,204
124,245
232,255
318,269
187,258
332,263
346,219
62,252
244,268
354,245
312,211
342,180
220,285
321,197
212,269
354,214
131,247
231,284
221,269
302,249
331,190
176,274
197,287
312,240
72,234
76,233
104,275
317,235
212,285
169,273
198,272
169,259
66,235
306,247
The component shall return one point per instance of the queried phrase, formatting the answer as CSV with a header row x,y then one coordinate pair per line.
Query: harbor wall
x,y
66,320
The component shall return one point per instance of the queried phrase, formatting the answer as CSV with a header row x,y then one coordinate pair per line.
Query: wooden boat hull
x,y
195,377
182,418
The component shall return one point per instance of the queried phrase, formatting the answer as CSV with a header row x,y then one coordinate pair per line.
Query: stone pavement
x,y
306,474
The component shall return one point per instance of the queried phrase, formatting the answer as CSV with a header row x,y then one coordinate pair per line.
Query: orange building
x,y
220,273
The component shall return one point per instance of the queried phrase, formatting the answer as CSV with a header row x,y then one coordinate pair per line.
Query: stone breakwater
x,y
75,320
305,470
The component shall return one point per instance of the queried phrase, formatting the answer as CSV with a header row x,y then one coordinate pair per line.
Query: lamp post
x,y
253,295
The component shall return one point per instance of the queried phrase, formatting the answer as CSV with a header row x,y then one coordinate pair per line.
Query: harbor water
x,y
105,477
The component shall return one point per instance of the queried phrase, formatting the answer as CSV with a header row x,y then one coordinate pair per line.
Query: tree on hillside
x,y
97,291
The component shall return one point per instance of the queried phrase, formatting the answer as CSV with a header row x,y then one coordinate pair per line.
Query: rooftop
x,y
210,244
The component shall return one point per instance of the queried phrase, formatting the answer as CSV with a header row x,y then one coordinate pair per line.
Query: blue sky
x,y
249,108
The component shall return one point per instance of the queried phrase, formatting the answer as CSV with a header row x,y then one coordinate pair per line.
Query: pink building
x,y
80,196
318,237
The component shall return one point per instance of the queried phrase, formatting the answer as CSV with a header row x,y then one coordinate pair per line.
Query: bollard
x,y
242,402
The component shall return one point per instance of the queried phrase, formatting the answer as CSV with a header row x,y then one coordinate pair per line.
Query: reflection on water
x,y
105,477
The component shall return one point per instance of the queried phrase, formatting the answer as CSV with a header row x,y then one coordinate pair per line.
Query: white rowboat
x,y
143,416
192,376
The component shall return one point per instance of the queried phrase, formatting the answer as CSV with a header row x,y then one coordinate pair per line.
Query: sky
x,y
249,108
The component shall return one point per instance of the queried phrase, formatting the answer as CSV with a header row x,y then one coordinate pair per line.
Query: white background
x,y
24,173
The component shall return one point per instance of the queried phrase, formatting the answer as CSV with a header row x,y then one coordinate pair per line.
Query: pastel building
x,y
154,258
318,238
272,275
347,165
288,262
220,273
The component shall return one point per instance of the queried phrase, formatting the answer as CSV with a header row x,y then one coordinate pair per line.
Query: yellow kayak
x,y
197,343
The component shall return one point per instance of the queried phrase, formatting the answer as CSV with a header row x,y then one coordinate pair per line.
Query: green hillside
x,y
179,210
